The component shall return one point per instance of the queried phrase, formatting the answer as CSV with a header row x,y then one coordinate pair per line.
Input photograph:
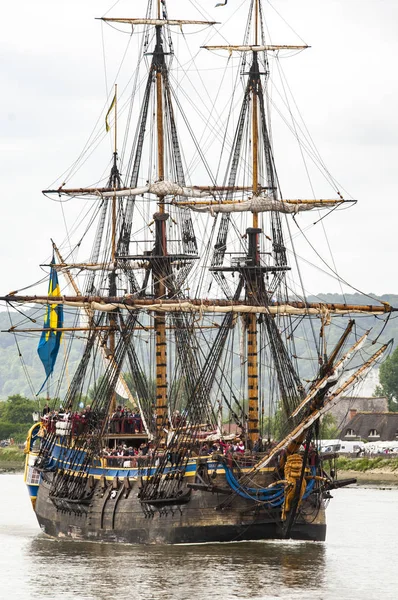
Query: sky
x,y
54,88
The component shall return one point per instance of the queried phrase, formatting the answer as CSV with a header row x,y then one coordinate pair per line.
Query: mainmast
x,y
252,349
159,261
160,246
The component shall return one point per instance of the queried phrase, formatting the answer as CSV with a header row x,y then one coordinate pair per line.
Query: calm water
x,y
358,561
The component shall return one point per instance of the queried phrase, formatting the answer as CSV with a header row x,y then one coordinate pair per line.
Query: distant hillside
x,y
19,352
355,298
21,371
368,321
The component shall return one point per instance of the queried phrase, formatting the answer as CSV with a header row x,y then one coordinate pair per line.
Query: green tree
x,y
16,431
389,381
17,409
328,429
274,427
150,387
16,416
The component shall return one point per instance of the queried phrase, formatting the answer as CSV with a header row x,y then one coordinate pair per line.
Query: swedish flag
x,y
50,340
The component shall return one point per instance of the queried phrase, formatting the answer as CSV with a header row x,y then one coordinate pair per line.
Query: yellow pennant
x,y
107,126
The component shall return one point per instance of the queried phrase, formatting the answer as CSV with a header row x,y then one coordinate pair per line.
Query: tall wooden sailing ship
x,y
188,310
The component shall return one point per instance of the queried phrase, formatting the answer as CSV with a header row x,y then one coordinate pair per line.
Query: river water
x,y
358,560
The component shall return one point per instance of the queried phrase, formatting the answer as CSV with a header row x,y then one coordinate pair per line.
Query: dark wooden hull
x,y
116,515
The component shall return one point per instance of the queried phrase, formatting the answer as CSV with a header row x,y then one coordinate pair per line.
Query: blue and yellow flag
x,y
50,340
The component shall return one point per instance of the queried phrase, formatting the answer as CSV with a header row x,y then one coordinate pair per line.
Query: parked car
x,y
342,447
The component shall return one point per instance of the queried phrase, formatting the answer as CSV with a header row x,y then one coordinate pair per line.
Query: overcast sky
x,y
346,85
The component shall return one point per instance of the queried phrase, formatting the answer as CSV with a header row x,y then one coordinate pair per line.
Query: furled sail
x,y
257,48
159,188
157,22
259,204
203,306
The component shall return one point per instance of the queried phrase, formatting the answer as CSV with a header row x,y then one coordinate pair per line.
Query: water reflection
x,y
357,560
228,571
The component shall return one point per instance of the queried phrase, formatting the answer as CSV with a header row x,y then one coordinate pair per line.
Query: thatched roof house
x,y
342,410
371,426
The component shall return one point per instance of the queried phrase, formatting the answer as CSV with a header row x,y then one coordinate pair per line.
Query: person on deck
x,y
137,422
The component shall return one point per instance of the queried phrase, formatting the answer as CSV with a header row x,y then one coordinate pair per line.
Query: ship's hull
x,y
115,514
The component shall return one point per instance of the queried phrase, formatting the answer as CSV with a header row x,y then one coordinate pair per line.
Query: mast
x,y
252,350
253,233
159,261
115,182
258,292
256,23
160,247
165,266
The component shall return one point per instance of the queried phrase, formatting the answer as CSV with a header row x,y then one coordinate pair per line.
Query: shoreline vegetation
x,y
12,459
379,469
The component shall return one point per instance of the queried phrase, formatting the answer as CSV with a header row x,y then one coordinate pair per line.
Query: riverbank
x,y
12,459
379,476
380,469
